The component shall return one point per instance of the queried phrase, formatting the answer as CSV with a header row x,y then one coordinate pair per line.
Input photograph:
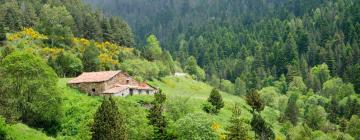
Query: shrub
x,y
195,127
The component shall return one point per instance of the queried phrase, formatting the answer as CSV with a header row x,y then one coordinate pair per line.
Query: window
x,y
127,81
147,92
131,92
93,90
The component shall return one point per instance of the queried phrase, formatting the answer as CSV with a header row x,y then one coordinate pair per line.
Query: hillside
x,y
223,69
80,108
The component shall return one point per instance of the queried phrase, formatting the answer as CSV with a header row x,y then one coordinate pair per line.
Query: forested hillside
x,y
223,69
252,40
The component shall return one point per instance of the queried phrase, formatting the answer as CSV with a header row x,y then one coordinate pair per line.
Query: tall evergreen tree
x,y
108,122
292,110
262,130
156,117
253,99
215,99
237,128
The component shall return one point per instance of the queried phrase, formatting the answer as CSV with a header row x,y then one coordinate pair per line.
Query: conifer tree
x,y
292,110
215,99
262,130
108,123
156,117
237,129
254,100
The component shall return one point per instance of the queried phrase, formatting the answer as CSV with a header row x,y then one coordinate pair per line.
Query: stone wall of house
x,y
121,79
128,92
90,88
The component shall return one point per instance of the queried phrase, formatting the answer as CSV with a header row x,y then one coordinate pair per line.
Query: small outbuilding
x,y
110,83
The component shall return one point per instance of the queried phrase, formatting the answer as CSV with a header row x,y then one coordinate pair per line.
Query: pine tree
x,y
108,123
333,110
156,117
215,99
262,130
237,129
253,99
292,110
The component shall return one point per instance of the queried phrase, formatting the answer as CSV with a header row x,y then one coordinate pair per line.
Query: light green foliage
x,y
196,126
29,91
354,127
23,132
227,86
316,100
271,115
315,117
135,119
321,73
335,87
193,69
140,68
78,110
270,96
152,48
297,84
56,22
300,132
240,87
177,107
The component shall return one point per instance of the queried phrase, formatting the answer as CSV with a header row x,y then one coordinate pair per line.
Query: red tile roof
x,y
92,77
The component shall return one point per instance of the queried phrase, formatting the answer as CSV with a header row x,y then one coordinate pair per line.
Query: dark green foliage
x,y
209,108
292,110
67,65
108,122
28,91
333,110
284,37
355,78
90,58
2,129
61,20
156,117
253,99
237,129
262,130
216,102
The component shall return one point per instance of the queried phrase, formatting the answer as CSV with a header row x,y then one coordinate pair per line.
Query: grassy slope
x,y
198,92
79,108
23,132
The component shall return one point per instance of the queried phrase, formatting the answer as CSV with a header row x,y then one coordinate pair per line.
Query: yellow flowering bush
x,y
51,51
26,33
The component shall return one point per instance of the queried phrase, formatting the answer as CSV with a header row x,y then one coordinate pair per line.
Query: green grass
x,y
198,92
23,132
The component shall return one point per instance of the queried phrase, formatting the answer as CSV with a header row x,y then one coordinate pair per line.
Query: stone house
x,y
106,83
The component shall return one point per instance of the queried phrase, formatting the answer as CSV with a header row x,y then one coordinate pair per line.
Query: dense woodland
x,y
277,69
252,40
